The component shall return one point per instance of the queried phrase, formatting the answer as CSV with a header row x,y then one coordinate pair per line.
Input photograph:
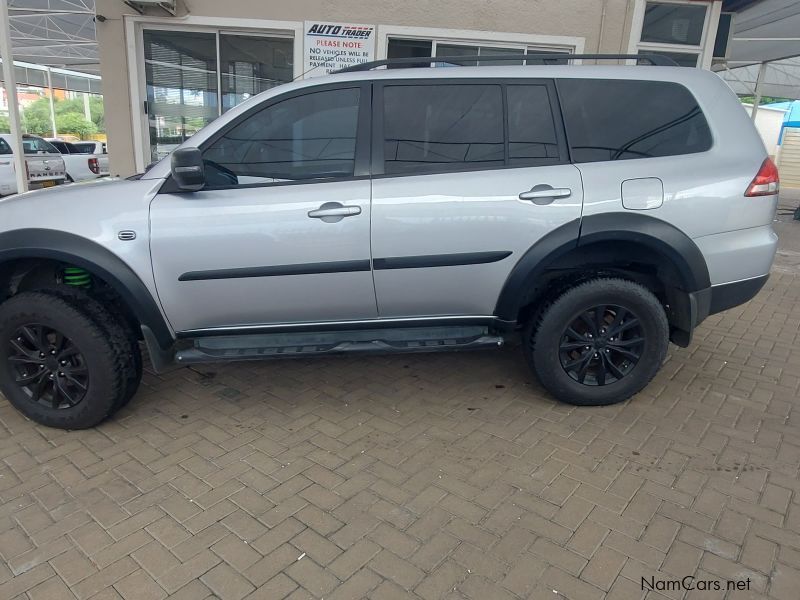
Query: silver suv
x,y
597,211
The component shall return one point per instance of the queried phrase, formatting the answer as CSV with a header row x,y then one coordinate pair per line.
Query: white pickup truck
x,y
99,149
44,164
80,166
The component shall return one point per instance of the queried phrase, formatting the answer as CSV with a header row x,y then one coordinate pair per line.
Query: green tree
x,y
70,117
75,123
36,118
76,106
764,99
5,126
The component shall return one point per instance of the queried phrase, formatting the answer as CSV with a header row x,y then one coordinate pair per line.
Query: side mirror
x,y
188,170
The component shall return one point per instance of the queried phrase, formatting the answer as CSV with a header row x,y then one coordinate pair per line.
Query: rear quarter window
x,y
625,119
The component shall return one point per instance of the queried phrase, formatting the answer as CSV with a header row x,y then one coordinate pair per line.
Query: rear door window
x,y
443,127
61,147
625,119
532,137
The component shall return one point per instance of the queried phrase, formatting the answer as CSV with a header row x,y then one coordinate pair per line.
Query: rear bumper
x,y
688,310
728,295
38,185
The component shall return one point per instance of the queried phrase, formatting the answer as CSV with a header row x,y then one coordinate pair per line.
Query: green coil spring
x,y
77,277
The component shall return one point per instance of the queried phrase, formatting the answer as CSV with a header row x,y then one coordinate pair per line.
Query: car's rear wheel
x,y
599,342
58,365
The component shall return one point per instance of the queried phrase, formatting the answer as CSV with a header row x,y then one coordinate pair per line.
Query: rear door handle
x,y
330,212
542,192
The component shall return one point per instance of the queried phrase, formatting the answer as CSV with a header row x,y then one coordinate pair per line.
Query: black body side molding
x,y
84,253
439,260
339,266
350,266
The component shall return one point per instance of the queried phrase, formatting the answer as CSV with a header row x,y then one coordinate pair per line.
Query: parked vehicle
x,y
100,150
80,166
596,211
44,164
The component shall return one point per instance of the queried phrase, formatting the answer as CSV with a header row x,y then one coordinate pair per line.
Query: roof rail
x,y
657,60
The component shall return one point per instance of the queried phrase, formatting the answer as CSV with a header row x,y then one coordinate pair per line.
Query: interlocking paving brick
x,y
423,476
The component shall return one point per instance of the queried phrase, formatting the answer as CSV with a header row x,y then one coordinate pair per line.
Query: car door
x,y
280,232
469,175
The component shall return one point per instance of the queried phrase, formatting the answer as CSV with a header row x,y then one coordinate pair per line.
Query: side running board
x,y
297,345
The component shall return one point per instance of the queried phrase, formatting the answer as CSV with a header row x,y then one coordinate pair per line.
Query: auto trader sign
x,y
332,46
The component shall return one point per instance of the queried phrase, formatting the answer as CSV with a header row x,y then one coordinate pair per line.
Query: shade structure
x,y
765,33
55,33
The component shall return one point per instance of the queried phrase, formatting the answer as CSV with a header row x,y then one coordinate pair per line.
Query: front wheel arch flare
x,y
78,251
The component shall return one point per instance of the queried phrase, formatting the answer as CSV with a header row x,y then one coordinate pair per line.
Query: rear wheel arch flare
x,y
606,242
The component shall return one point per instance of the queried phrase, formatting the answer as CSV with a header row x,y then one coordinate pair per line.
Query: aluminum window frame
x,y
704,50
468,37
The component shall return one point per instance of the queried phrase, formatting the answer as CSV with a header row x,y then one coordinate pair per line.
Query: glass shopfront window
x,y
675,29
412,48
192,77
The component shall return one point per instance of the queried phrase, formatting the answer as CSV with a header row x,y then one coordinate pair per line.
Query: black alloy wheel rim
x,y
601,345
48,366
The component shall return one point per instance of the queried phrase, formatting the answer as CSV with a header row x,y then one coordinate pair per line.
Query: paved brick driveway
x,y
431,476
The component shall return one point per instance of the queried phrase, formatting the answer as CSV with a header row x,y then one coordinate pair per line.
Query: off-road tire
x,y
119,331
105,360
545,334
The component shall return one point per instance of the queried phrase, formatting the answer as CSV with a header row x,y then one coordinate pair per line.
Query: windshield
x,y
35,145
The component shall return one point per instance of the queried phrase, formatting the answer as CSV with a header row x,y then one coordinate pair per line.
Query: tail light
x,y
766,182
94,165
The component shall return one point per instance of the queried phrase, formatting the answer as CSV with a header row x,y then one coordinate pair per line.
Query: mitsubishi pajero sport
x,y
597,211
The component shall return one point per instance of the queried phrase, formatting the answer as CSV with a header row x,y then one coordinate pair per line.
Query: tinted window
x,y
673,23
682,59
306,137
439,127
85,148
4,147
531,130
616,120
409,49
35,145
71,148
61,147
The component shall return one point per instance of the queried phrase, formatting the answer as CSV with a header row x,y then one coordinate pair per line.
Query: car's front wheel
x,y
598,343
58,365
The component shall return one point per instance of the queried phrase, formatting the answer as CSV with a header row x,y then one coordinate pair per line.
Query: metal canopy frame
x,y
55,33
764,57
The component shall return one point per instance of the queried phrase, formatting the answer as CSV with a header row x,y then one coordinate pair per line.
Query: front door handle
x,y
545,194
331,212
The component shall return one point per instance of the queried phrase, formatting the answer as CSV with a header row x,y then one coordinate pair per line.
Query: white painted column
x,y
52,104
10,84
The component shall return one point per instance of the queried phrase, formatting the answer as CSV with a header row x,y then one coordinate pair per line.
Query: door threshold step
x,y
366,341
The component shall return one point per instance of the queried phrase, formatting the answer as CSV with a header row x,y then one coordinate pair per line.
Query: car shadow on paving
x,y
424,476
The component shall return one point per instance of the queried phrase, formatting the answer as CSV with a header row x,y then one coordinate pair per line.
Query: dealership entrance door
x,y
192,77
